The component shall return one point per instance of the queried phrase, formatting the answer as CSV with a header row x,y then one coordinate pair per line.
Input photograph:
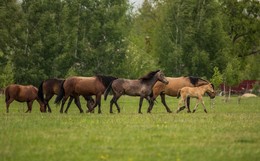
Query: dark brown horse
x,y
194,92
51,87
84,86
174,85
22,93
141,87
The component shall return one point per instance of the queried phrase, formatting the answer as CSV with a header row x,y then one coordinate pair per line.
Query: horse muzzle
x,y
211,94
165,81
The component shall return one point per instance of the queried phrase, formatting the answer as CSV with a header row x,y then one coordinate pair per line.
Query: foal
x,y
195,92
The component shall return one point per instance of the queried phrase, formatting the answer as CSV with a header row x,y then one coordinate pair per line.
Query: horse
x,y
141,87
176,83
51,87
22,93
86,86
194,92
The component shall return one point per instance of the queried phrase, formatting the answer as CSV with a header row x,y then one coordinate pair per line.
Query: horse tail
x,y
106,80
107,91
61,93
40,92
179,93
7,96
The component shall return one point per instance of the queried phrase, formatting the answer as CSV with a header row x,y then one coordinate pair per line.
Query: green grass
x,y
229,131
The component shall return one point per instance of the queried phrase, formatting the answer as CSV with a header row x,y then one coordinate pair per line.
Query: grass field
x,y
230,131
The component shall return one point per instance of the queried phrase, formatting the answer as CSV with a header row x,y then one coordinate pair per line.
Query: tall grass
x,y
230,131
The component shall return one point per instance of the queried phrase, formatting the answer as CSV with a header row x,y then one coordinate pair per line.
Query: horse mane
x,y
148,76
106,80
195,80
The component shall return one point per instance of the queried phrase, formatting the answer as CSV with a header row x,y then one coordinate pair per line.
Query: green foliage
x,y
43,39
231,73
6,75
217,78
256,88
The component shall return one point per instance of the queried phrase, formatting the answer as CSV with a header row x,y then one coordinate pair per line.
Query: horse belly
x,y
171,92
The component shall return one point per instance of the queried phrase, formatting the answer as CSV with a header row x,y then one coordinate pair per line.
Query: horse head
x,y
210,90
160,76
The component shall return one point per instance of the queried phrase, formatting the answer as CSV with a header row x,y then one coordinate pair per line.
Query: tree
x,y
217,78
243,25
232,74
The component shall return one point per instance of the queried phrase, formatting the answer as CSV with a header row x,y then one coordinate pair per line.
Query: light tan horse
x,y
194,92
22,93
176,83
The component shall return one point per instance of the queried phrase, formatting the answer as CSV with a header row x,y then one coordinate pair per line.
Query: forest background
x,y
218,40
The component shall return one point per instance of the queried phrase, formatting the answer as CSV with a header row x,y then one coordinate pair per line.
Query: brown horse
x,y
85,86
141,87
22,93
51,87
174,85
194,92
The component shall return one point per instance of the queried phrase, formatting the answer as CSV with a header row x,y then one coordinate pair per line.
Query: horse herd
x,y
148,87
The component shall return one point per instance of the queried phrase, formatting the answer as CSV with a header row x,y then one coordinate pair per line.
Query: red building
x,y
244,86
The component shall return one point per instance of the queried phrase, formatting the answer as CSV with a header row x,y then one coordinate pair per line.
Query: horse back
x,y
22,93
195,92
128,86
52,86
83,86
174,85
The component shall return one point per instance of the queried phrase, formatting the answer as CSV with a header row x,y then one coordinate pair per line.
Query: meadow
x,y
229,131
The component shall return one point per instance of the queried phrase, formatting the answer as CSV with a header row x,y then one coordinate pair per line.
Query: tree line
x,y
217,40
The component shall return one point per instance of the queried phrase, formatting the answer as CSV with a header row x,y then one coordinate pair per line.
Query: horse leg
x,y
48,106
90,103
151,103
77,102
8,102
114,100
117,106
188,104
164,103
46,102
196,106
140,105
62,104
205,110
182,101
98,103
68,105
29,105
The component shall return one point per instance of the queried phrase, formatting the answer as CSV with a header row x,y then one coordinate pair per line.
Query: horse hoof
x,y
193,111
205,111
169,111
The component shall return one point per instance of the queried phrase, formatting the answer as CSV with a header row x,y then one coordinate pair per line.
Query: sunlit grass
x,y
229,131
